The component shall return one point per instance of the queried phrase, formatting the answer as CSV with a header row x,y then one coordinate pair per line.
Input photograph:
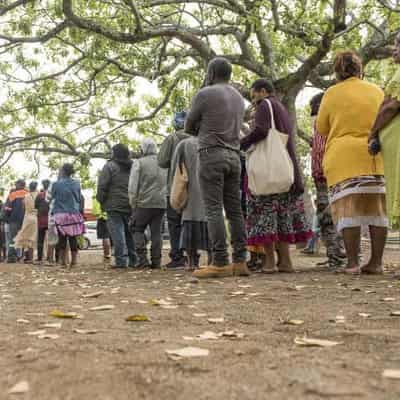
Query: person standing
x,y
385,139
194,236
277,220
27,236
147,196
174,218
102,231
112,194
216,117
15,212
330,237
67,210
43,209
355,178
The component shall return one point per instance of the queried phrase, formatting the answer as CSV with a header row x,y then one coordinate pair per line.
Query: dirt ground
x,y
128,360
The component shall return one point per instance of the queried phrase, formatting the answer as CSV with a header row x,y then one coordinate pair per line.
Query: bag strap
x,y
271,110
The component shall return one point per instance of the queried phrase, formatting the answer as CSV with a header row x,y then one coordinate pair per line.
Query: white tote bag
x,y
269,166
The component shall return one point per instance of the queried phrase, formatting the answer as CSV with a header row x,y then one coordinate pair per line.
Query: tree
x,y
72,69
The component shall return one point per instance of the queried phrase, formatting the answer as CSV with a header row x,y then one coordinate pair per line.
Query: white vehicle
x,y
90,237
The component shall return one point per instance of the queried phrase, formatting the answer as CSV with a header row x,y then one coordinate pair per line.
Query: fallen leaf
x,y
238,293
370,291
254,294
106,307
48,336
23,321
124,301
86,331
56,325
339,319
35,314
245,286
308,342
215,320
391,373
170,307
92,295
208,335
187,352
389,299
137,318
395,313
19,388
295,322
115,290
364,315
60,314
231,334
199,315
35,333
141,301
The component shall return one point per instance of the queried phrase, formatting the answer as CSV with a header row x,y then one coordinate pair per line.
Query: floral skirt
x,y
359,202
276,218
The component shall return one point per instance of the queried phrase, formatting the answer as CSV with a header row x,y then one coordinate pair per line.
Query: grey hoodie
x,y
148,182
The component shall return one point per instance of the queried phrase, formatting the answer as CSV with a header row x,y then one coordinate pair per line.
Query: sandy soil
x,y
128,360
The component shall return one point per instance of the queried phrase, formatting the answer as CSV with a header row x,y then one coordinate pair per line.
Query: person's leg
x,y
12,251
269,262
116,227
285,262
174,228
130,242
234,214
156,240
212,168
73,245
141,222
40,243
106,249
62,249
378,240
352,239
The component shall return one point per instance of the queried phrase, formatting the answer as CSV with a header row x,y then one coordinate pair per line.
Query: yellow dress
x,y
347,114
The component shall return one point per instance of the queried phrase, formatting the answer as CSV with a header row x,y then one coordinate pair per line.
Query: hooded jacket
x,y
112,186
148,182
166,154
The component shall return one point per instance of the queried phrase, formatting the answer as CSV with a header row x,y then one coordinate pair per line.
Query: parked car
x,y
90,237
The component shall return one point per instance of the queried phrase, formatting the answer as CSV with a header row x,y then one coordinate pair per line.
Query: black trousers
x,y
153,218
174,228
40,244
73,242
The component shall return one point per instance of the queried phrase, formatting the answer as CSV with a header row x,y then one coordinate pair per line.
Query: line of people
x,y
204,162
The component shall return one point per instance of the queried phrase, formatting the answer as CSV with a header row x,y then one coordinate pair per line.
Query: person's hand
x,y
374,146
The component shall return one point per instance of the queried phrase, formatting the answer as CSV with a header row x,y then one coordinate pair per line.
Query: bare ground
x,y
127,360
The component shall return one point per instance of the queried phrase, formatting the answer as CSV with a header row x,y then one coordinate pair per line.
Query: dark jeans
x,y
40,242
73,243
153,218
12,251
121,236
174,228
219,176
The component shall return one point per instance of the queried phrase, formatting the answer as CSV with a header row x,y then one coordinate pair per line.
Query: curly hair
x,y
348,65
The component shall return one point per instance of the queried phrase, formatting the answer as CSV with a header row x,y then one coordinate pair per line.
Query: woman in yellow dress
x,y
355,177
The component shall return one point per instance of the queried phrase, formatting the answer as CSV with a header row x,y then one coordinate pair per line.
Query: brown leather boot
x,y
212,271
240,269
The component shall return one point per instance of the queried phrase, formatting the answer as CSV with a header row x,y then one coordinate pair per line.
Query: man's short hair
x,y
219,68
260,84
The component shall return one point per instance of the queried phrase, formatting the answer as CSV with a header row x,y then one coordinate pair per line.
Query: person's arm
x,y
81,201
390,108
165,154
133,187
323,122
103,184
194,116
262,125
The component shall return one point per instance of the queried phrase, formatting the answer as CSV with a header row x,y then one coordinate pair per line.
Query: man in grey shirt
x,y
216,117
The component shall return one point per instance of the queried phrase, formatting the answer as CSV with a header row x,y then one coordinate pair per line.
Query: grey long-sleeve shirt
x,y
216,117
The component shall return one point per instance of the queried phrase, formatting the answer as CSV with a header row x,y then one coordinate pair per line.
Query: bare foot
x,y
372,269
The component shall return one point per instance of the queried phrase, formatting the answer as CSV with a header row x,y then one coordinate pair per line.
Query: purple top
x,y
262,125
